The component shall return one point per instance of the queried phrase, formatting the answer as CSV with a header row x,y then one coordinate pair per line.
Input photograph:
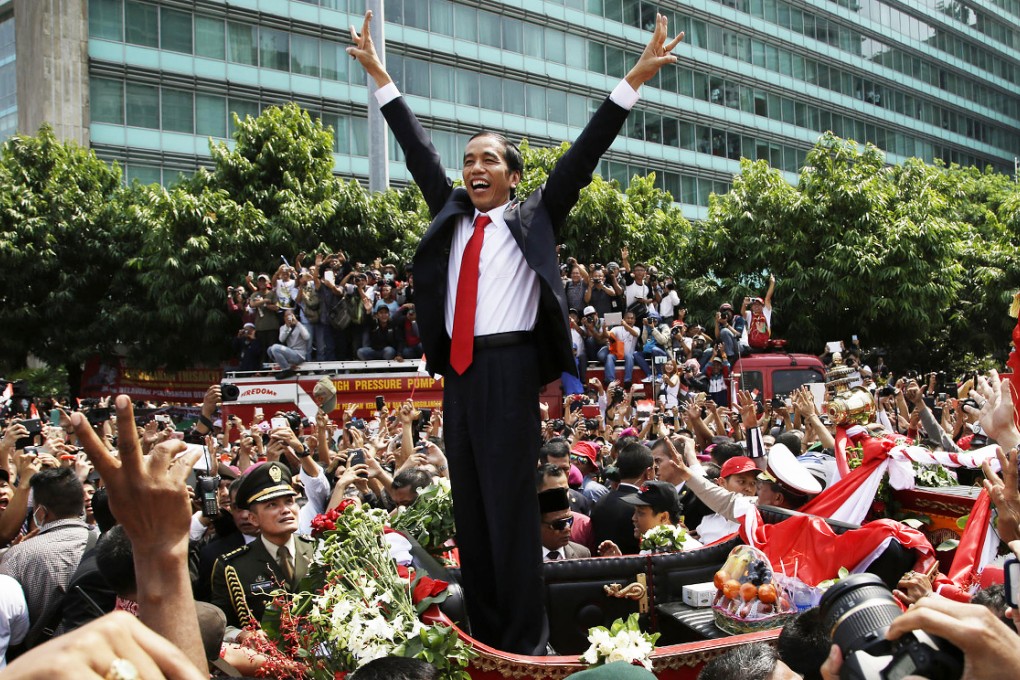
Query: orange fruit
x,y
767,593
731,589
748,591
720,578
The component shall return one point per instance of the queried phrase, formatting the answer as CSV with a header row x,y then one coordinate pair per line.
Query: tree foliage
x,y
919,259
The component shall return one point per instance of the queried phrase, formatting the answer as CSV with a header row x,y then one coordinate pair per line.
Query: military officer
x,y
244,578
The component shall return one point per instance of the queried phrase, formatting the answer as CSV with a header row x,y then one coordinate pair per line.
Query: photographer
x,y
670,301
654,336
292,348
248,349
990,649
718,374
725,332
263,305
603,292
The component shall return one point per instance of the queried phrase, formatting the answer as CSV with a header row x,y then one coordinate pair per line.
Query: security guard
x,y
243,579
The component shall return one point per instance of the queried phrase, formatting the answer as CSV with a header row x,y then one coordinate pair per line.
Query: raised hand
x,y
657,53
363,50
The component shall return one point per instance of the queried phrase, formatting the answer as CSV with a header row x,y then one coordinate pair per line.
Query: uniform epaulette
x,y
234,553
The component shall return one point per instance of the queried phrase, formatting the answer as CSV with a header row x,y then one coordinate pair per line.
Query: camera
x,y
887,391
229,392
207,490
858,611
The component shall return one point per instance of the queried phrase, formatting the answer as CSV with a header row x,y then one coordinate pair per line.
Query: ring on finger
x,y
122,669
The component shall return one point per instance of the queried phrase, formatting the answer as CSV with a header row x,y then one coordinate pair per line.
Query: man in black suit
x,y
612,518
493,318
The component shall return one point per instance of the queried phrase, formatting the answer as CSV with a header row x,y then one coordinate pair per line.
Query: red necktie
x,y
462,345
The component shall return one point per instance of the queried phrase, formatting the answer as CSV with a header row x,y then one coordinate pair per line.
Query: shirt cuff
x,y
388,92
623,95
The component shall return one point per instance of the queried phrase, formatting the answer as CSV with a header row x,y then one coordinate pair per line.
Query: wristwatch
x,y
304,452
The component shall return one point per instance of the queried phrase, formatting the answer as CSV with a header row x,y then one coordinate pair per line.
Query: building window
x,y
141,24
274,49
175,31
142,106
106,100
106,19
241,45
210,38
304,55
210,115
178,111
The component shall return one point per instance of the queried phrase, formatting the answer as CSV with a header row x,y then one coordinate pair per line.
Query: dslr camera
x,y
857,612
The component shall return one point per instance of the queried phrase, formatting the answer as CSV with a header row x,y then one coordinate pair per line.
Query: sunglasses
x,y
580,459
560,524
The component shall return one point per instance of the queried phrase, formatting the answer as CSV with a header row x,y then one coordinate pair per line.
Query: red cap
x,y
736,466
586,449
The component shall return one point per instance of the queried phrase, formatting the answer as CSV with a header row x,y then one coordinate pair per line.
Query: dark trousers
x,y
491,427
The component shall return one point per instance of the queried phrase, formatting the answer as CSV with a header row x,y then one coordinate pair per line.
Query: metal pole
x,y
378,140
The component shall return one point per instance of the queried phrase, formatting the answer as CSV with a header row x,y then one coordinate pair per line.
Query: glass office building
x,y
937,79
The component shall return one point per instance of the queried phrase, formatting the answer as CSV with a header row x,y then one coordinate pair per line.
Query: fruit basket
x,y
748,596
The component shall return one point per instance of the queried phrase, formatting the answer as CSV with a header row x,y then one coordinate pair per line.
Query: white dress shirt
x,y
13,615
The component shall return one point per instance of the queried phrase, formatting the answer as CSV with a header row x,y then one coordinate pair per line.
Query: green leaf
x,y
949,544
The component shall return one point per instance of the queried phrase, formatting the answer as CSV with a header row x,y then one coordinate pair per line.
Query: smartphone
x,y
259,411
34,427
55,417
380,402
1012,571
164,419
277,423
358,458
854,337
424,419
942,396
590,411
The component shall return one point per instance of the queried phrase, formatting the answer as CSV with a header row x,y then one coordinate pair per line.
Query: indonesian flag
x,y
808,546
978,546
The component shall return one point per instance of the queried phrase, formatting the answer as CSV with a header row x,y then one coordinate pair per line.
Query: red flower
x,y
403,572
427,587
344,504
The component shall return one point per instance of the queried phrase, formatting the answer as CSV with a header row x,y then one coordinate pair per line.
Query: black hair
x,y
557,447
511,154
748,662
396,668
101,511
116,562
804,645
994,598
723,452
59,491
791,441
633,460
415,478
794,499
547,470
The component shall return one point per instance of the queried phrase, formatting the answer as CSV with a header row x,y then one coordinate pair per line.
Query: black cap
x,y
263,483
553,500
660,496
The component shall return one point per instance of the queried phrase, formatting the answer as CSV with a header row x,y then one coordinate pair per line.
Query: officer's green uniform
x,y
243,579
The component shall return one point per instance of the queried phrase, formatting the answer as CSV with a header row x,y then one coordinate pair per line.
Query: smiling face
x,y
487,176
645,518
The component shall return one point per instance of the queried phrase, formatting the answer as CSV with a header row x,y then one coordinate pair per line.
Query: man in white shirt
x,y
491,297
626,335
13,616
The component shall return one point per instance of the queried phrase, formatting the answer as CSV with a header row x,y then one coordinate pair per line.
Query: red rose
x,y
344,504
427,587
403,572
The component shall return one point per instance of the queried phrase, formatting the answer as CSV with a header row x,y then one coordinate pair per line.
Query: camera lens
x,y
857,611
229,392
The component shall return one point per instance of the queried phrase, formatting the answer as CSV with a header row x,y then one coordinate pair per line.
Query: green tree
x,y
605,219
60,243
856,247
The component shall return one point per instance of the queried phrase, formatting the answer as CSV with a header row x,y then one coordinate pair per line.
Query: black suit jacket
x,y
613,520
534,223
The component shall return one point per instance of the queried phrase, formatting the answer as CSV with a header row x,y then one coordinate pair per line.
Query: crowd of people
x,y
602,483
325,309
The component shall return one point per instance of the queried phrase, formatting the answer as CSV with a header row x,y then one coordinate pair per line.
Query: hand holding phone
x,y
277,422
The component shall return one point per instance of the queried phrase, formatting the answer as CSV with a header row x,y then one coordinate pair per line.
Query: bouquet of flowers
x,y
429,520
665,538
624,641
356,605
